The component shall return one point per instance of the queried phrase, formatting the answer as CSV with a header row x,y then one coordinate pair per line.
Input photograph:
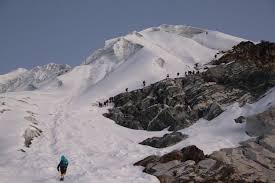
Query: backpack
x,y
64,162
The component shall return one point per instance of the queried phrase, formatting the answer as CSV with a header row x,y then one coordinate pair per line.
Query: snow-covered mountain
x,y
23,79
66,119
153,53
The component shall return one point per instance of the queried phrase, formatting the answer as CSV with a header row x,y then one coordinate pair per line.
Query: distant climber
x,y
178,74
126,89
62,167
144,83
99,104
167,76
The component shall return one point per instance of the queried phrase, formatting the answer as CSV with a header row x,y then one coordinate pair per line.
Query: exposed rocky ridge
x,y
177,103
253,161
249,66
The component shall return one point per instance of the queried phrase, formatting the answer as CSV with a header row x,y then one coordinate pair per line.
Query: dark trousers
x,y
63,170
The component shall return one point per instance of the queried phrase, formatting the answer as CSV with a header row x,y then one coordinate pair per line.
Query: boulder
x,y
192,153
261,124
174,155
213,111
240,119
207,164
146,161
163,120
164,141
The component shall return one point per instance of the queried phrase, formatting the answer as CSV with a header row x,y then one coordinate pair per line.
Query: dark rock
x,y
240,119
174,155
165,141
207,164
268,142
247,66
213,111
165,179
146,161
261,124
159,169
163,120
192,153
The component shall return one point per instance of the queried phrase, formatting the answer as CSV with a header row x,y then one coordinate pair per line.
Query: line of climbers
x,y
111,99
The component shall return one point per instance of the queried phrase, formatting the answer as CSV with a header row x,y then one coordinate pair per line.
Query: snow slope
x,y
99,150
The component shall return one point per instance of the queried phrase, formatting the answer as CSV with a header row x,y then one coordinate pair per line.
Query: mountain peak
x,y
22,79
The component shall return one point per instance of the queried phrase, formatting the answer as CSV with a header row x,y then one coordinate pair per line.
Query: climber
x,y
126,89
143,83
62,166
167,76
178,74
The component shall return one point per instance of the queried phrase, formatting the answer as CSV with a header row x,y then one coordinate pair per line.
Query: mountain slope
x,y
72,123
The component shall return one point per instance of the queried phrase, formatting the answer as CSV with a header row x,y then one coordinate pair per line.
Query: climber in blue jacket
x,y
62,166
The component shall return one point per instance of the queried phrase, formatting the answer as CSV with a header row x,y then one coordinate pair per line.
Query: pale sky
x,y
36,32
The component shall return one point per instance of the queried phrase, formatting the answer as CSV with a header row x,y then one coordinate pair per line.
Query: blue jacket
x,y
63,163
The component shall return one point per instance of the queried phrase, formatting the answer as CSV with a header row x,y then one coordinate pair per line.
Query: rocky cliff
x,y
239,76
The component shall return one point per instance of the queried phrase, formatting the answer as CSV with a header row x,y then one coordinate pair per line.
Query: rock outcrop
x,y
261,124
188,165
165,141
253,161
248,66
240,76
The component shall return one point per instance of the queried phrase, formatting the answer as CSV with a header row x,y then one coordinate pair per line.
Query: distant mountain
x,y
23,79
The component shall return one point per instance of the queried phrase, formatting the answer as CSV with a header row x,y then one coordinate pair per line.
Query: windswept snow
x,y
99,150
